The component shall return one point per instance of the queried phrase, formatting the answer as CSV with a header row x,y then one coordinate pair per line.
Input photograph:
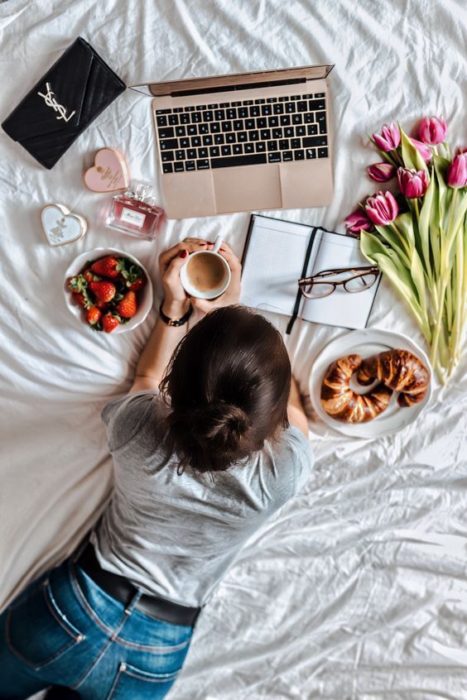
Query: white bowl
x,y
146,300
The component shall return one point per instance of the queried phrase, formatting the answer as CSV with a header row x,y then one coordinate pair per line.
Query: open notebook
x,y
274,258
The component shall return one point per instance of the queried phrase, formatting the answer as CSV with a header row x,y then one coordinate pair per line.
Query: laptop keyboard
x,y
248,132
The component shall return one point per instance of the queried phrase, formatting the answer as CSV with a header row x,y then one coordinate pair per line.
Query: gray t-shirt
x,y
174,535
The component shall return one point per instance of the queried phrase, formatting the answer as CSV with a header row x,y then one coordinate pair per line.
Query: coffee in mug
x,y
206,274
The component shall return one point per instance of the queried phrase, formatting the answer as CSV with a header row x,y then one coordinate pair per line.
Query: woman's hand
x,y
176,300
232,293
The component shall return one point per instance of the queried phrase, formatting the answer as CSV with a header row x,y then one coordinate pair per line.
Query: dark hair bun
x,y
222,423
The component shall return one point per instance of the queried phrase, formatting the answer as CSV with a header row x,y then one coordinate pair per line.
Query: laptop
x,y
244,142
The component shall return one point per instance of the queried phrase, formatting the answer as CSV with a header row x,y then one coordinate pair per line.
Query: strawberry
x,y
108,266
127,307
110,322
78,288
80,299
93,315
103,291
89,276
137,284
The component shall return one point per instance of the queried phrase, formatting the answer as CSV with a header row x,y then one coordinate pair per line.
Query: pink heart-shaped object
x,y
109,172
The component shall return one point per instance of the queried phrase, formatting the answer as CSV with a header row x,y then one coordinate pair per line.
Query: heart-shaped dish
x,y
109,172
61,226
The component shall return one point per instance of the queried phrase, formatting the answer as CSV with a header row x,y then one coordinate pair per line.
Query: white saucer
x,y
365,343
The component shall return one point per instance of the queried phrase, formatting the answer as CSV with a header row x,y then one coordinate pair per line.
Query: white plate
x,y
147,297
365,343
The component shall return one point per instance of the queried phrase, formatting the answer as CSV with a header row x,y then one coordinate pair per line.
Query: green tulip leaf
x,y
425,222
410,155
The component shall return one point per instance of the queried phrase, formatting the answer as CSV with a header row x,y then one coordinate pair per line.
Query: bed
x,y
357,590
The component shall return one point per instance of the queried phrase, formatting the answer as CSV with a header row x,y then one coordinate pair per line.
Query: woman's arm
x,y
164,339
295,411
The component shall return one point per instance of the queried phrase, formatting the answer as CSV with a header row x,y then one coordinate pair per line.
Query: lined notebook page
x,y
340,308
273,264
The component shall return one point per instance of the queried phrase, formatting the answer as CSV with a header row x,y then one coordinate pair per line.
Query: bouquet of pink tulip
x,y
418,237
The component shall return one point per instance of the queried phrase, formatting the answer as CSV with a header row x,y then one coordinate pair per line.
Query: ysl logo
x,y
50,101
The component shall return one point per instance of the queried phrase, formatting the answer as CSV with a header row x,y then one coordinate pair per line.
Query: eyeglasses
x,y
353,279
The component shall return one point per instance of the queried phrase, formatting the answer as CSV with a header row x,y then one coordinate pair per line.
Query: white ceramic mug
x,y
211,293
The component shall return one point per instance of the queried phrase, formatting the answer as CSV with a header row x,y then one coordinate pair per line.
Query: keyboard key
x,y
310,153
195,141
278,108
299,155
315,141
319,94
261,123
232,113
287,155
166,133
312,129
214,151
179,167
207,140
285,120
266,110
315,105
218,138
308,118
242,136
185,143
294,97
272,145
226,150
184,118
190,165
296,118
260,147
220,114
189,109
173,119
300,130
283,144
203,129
242,112
191,153
283,99
208,116
255,111
249,124
237,148
179,155
277,133
289,107
167,168
236,104
295,143
249,148
232,161
162,111
168,144
226,126
231,137
322,152
201,107
202,152
167,156
180,131
224,104
178,109
213,106
265,134
273,121
254,135
196,117
214,127
274,157
260,101
271,99
288,131
321,120
238,125
192,130
247,102
302,106
202,164
161,121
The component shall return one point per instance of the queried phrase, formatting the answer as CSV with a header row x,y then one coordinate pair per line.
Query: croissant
x,y
344,404
399,370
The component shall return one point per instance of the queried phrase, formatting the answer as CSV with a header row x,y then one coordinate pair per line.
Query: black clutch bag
x,y
78,87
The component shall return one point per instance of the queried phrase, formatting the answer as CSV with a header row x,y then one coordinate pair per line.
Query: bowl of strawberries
x,y
109,290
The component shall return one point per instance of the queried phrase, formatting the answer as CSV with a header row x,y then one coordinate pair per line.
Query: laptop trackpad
x,y
247,187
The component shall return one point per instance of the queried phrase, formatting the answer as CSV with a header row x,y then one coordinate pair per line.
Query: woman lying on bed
x,y
208,444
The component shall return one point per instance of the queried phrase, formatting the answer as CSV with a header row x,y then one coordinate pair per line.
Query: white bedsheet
x,y
358,590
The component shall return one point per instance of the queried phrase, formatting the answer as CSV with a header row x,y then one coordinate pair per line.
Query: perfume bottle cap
x,y
142,190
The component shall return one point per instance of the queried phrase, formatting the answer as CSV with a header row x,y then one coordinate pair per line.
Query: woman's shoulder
x,y
128,415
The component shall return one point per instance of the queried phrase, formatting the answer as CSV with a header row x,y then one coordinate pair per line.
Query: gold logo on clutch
x,y
50,101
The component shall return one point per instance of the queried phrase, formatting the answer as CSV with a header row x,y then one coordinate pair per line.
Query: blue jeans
x,y
65,630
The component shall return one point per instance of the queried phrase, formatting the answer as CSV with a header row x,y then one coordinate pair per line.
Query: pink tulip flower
x,y
389,138
381,172
358,221
423,149
432,130
457,173
412,183
382,208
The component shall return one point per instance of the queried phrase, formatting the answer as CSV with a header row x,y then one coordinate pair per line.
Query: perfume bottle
x,y
135,212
